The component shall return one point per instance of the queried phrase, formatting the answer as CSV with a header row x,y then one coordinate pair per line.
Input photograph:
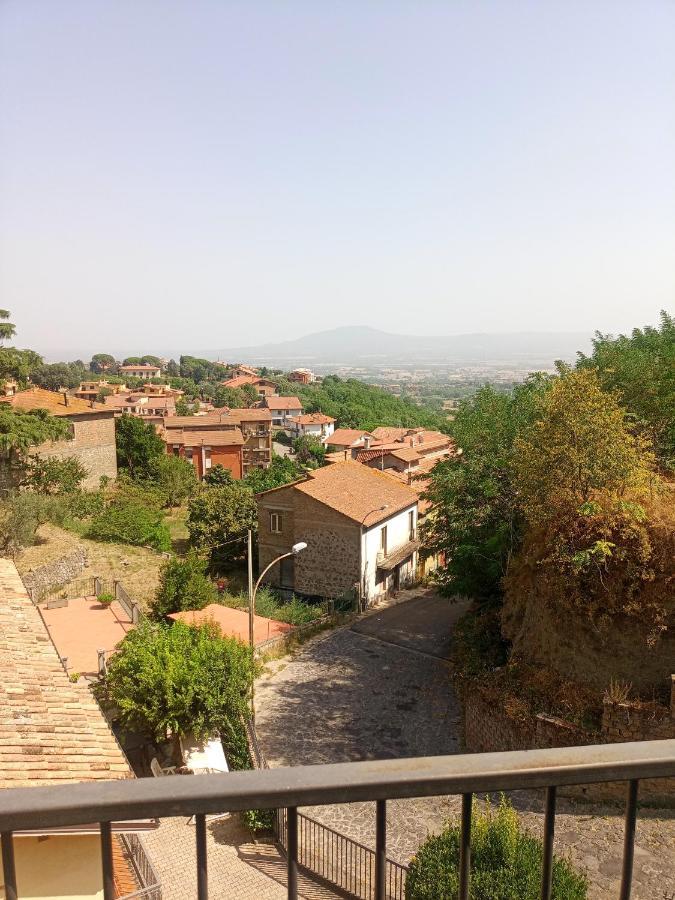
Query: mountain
x,y
357,345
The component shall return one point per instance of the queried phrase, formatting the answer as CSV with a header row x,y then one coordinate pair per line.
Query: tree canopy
x,y
219,517
183,584
139,447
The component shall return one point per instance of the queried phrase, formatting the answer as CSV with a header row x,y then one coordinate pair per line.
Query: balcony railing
x,y
376,781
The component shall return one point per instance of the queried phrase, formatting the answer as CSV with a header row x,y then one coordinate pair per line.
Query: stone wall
x,y
93,444
41,580
489,726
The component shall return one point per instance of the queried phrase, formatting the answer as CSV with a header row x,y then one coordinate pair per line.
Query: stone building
x,y
92,440
360,527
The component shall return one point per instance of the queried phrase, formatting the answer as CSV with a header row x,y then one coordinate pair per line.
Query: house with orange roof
x,y
233,622
360,527
54,733
92,431
283,409
140,370
315,424
348,439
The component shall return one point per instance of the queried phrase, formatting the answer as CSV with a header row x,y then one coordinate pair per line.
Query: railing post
x,y
549,833
107,861
202,874
629,840
380,848
292,851
102,667
8,865
465,847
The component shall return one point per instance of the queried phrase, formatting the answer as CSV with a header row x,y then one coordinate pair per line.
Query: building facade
x,y
283,410
313,424
360,528
140,371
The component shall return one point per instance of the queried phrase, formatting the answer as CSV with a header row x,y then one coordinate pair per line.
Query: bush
x,y
106,598
292,612
506,863
84,504
183,584
54,476
129,522
22,514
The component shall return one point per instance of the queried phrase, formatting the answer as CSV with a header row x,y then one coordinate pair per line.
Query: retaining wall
x,y
42,579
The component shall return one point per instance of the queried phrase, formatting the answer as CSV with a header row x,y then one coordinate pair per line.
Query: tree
x,y
476,521
21,515
129,522
183,408
168,680
138,446
53,376
173,369
309,450
639,368
282,470
506,863
102,362
175,477
149,360
132,361
218,476
51,475
183,584
18,364
234,398
20,431
250,393
219,517
7,329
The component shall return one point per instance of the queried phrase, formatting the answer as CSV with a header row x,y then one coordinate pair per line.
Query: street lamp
x,y
295,549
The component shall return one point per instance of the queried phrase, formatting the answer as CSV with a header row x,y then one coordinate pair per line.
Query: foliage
x,y
50,475
641,369
18,364
84,504
477,643
183,584
234,398
476,521
138,446
358,405
506,863
130,522
20,431
53,376
199,370
21,515
7,329
106,598
293,612
219,517
218,476
184,408
174,679
102,362
174,477
282,470
309,450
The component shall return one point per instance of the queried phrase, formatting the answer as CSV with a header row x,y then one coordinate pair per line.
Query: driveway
x,y
381,689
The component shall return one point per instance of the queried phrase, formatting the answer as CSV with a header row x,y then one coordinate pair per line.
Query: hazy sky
x,y
202,174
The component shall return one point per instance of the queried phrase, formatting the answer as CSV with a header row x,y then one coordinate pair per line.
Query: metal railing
x,y
150,888
106,802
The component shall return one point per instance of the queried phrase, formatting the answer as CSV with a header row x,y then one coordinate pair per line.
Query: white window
x,y
383,540
276,522
411,524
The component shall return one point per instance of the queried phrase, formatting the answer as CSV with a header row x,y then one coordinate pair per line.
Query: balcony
x,y
377,781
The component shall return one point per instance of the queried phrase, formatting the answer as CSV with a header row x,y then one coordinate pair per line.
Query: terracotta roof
x,y
390,433
313,419
52,730
240,381
197,438
254,414
233,622
346,437
52,401
406,454
208,421
283,403
356,491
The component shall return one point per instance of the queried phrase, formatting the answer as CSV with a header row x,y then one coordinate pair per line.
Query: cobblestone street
x,y
381,689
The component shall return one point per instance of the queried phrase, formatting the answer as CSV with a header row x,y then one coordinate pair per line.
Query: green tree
x,y
184,408
168,680
640,368
18,364
175,478
132,361
251,396
309,450
234,398
282,470
218,519
51,475
183,584
7,329
103,362
129,522
20,432
172,369
21,514
506,863
150,360
218,476
139,447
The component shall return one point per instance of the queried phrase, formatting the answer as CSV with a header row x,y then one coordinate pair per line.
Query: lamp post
x,y
365,561
253,590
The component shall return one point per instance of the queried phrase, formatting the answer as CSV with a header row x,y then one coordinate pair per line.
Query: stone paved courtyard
x,y
381,689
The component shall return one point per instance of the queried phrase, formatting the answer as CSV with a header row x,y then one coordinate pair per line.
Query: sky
x,y
182,176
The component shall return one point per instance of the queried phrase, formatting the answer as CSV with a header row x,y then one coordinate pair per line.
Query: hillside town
x,y
298,548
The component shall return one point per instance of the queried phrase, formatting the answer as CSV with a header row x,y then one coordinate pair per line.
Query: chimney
x,y
411,441
366,441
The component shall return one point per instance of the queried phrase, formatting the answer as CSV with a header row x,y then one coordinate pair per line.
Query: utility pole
x,y
251,614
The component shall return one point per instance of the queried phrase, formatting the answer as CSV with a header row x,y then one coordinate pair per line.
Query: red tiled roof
x,y
233,622
205,438
52,730
240,381
313,419
346,437
283,403
52,401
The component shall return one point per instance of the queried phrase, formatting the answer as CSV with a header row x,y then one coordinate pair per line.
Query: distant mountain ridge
x,y
360,345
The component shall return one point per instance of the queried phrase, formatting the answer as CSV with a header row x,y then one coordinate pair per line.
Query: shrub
x,y
84,504
22,514
183,584
506,863
106,598
129,522
292,612
55,476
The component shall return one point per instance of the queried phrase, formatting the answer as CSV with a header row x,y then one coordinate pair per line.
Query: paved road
x,y
381,689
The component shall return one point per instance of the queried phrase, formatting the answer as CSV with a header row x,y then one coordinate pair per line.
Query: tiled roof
x,y
313,419
52,731
52,401
199,437
357,491
208,421
387,433
346,437
283,403
233,622
406,454
240,381
255,414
